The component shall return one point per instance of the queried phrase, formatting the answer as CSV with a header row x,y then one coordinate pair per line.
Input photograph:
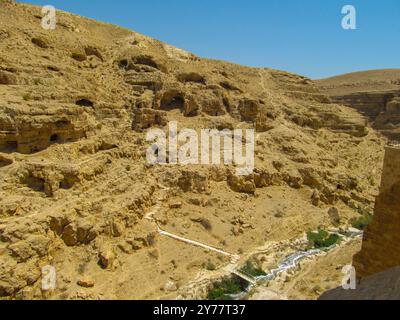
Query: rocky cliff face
x,y
75,104
375,94
382,108
380,246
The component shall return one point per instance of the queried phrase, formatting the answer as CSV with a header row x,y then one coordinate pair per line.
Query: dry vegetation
x,y
75,187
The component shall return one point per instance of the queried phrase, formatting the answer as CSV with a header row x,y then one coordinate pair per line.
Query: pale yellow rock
x,y
86,282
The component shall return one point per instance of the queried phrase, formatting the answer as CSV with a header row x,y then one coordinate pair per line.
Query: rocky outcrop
x,y
382,108
374,94
380,250
30,132
76,190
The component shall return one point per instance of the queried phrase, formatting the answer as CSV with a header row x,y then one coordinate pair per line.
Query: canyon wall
x,y
380,250
76,188
381,107
374,93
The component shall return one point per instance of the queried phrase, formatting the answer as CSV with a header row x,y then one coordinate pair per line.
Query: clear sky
x,y
301,36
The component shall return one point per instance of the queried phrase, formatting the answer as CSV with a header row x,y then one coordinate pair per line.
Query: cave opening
x,y
171,102
123,64
36,184
84,103
192,77
147,61
55,138
66,184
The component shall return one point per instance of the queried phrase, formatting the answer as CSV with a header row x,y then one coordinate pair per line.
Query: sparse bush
x,y
206,224
151,239
223,290
252,270
26,97
362,222
363,211
210,266
279,214
371,181
322,239
82,268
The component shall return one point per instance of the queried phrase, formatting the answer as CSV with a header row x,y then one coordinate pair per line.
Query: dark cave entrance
x,y
84,103
172,101
55,138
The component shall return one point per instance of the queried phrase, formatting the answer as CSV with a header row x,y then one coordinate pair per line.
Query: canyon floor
x,y
76,191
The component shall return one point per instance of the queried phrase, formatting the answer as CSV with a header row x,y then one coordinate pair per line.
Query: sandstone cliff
x,y
375,94
75,187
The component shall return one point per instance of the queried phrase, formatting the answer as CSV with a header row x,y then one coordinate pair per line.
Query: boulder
x,y
106,258
86,282
242,184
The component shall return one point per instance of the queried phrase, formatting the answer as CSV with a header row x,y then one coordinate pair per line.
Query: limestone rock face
x,y
242,184
77,192
29,132
375,94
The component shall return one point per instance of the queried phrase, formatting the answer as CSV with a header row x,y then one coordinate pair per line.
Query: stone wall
x,y
380,250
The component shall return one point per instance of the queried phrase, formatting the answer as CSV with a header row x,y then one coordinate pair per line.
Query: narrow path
x,y
195,243
155,209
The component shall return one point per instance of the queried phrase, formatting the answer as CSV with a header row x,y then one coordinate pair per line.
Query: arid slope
x,y
375,94
75,188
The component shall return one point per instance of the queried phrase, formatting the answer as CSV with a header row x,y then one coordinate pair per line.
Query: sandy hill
x,y
77,193
373,80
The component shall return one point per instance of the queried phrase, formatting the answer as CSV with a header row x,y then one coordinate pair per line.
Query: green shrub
x,y
223,290
250,269
210,266
322,239
218,294
362,222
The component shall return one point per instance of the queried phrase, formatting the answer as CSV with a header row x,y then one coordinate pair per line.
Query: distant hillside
x,y
373,80
375,94
78,194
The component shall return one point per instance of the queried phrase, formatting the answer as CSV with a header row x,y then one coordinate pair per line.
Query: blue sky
x,y
301,36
